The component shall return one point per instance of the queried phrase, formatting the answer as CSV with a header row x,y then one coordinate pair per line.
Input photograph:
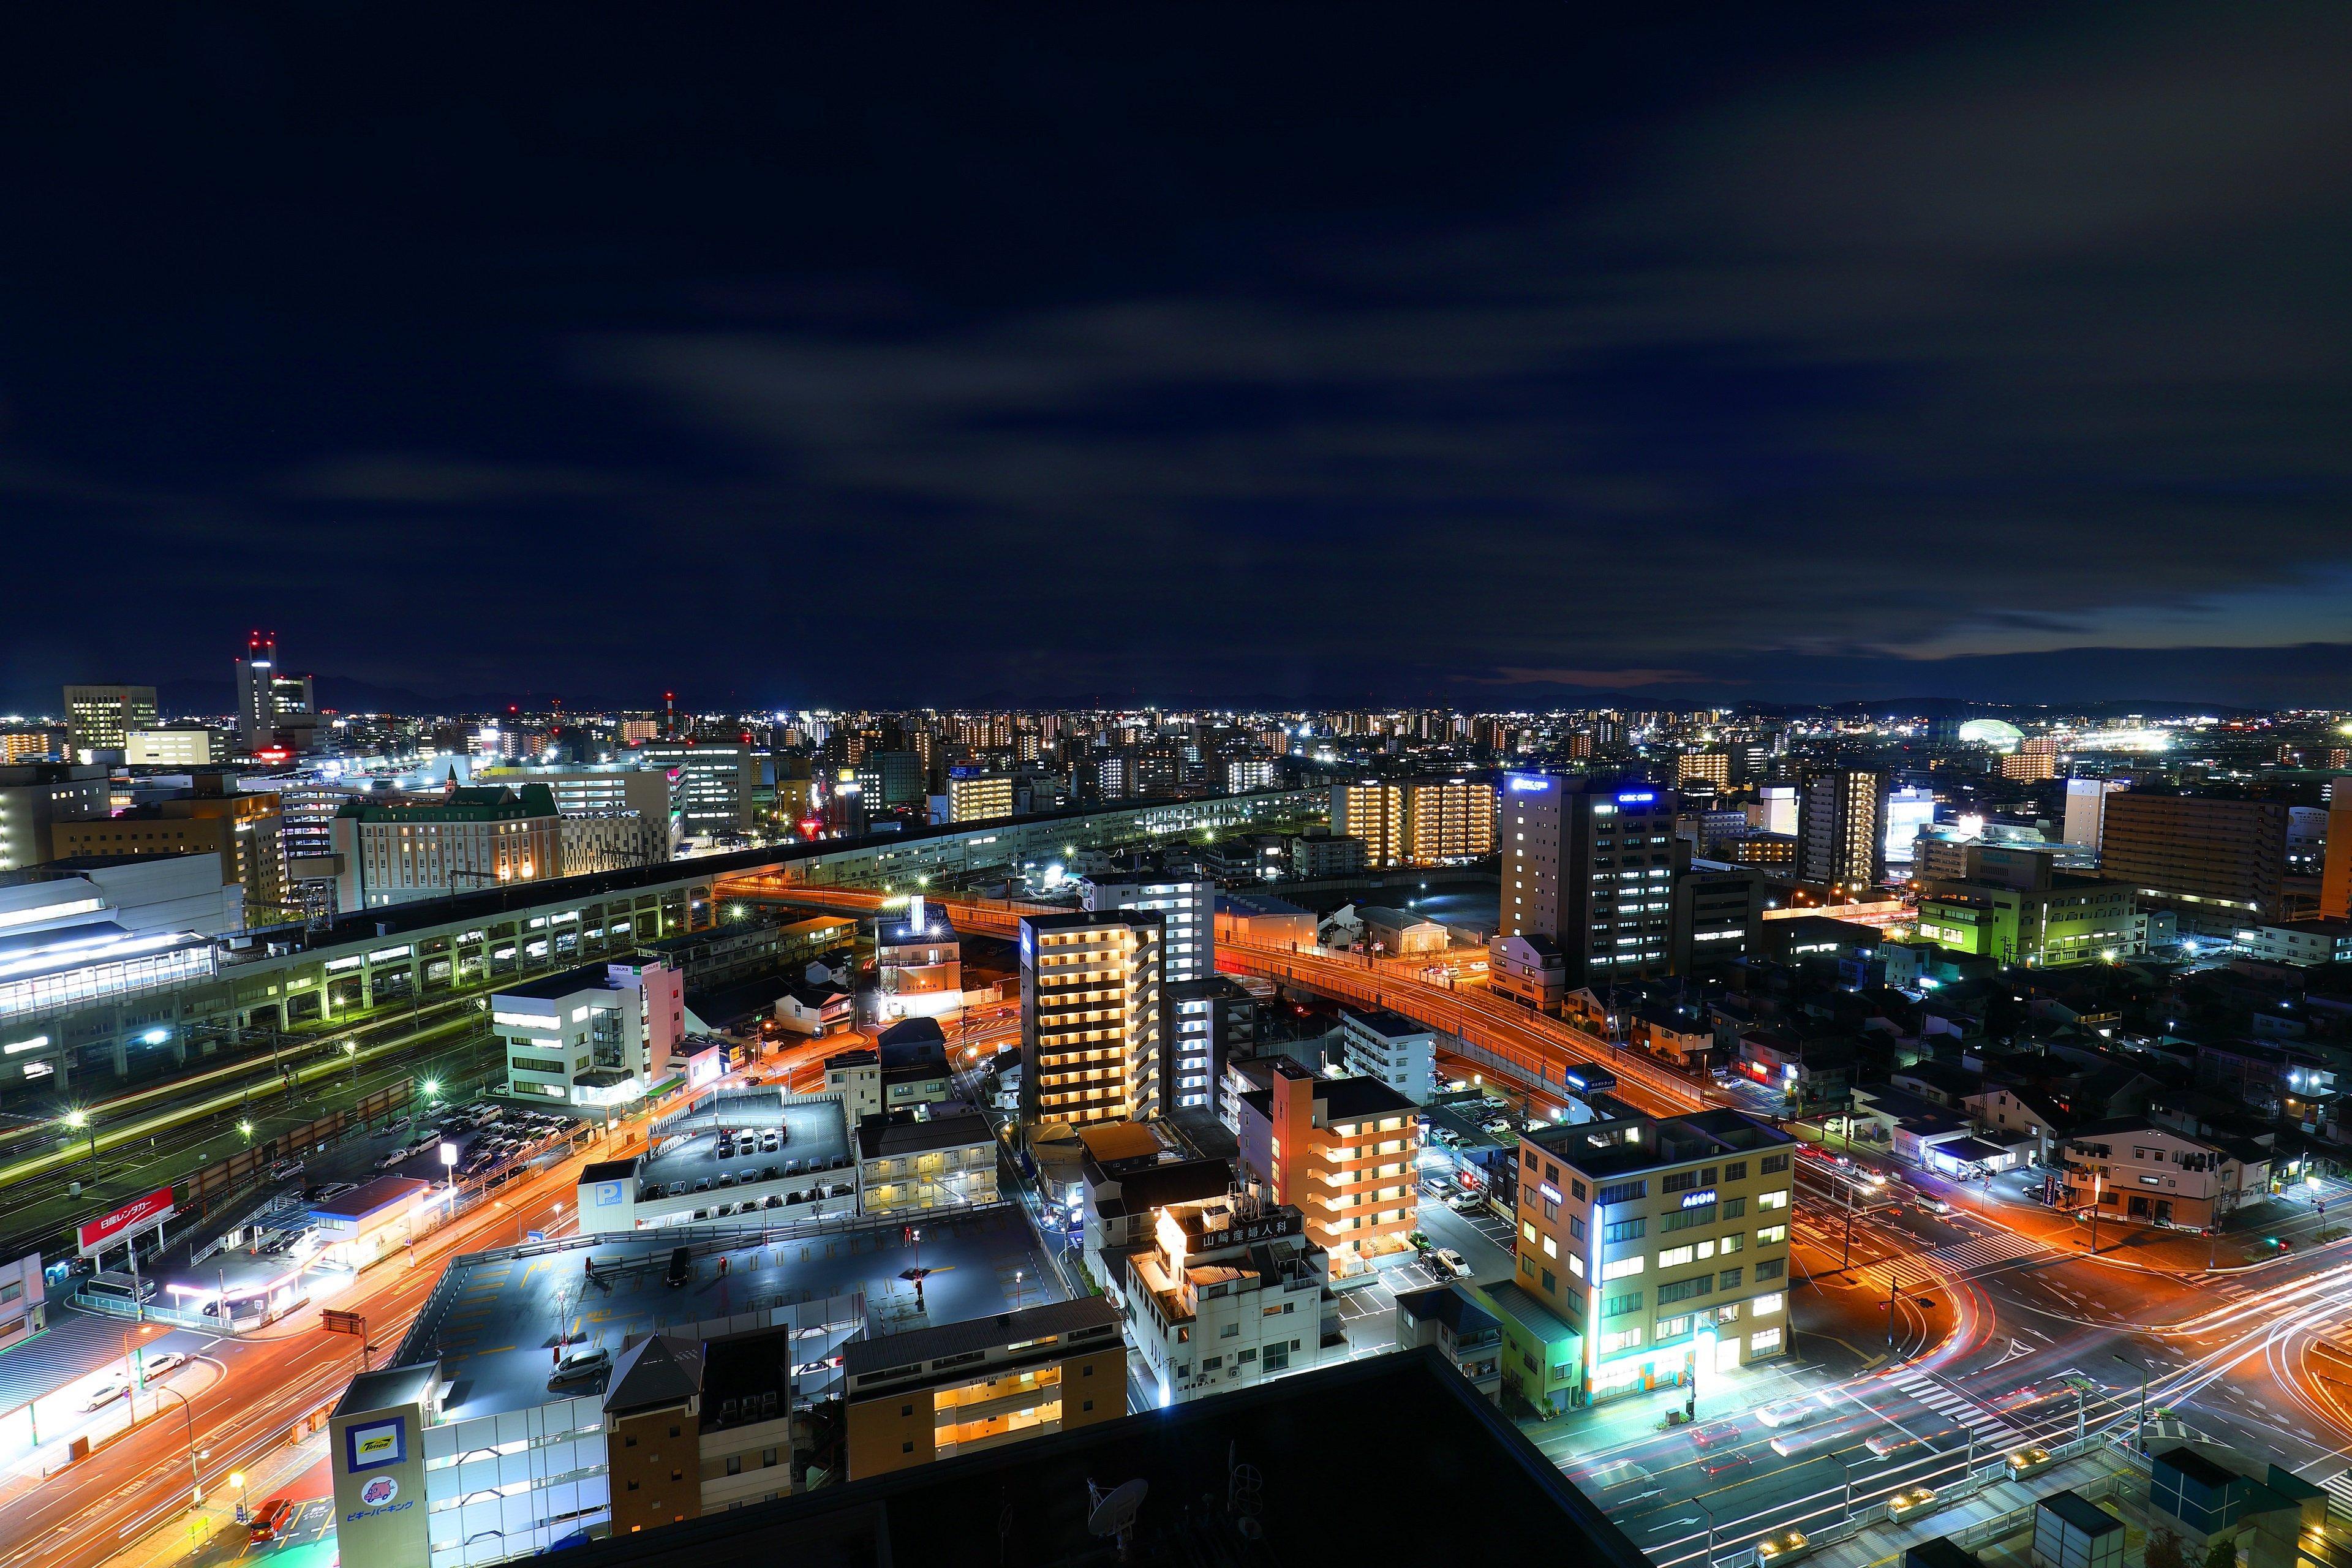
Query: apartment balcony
x,y
1013,1402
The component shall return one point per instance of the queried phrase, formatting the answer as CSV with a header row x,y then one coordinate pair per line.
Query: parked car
x,y
111,1387
1452,1262
681,1267
1465,1203
580,1366
164,1363
273,1517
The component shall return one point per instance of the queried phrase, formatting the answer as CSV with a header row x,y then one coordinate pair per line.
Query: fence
x,y
222,1177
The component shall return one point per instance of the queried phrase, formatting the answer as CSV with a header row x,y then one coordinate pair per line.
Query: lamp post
x,y
79,1120
2140,1431
351,1054
196,1477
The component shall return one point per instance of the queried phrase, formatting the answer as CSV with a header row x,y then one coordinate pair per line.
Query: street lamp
x,y
246,1128
196,1477
351,1053
2140,1432
79,1120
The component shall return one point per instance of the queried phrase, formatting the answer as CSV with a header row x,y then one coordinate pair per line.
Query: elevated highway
x,y
1547,1054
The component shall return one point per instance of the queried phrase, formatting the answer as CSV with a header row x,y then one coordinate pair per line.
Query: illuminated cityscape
x,y
937,787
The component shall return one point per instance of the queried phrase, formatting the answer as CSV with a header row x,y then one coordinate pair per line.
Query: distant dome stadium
x,y
1999,734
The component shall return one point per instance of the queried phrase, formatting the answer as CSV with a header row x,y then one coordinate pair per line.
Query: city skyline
x,y
1991,353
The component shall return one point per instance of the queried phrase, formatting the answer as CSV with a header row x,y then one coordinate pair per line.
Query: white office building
x,y
1394,1049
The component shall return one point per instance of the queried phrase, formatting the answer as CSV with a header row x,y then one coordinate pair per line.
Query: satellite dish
x,y
1114,1512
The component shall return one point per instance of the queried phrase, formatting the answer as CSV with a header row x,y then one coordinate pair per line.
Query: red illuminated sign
x,y
152,1209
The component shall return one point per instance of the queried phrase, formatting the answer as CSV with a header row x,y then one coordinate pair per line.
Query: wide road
x,y
2001,1341
255,1388
2003,1336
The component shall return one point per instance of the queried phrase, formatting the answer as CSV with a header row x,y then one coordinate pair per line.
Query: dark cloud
x,y
1846,353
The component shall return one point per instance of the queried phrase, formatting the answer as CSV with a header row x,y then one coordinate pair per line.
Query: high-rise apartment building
x,y
979,797
100,718
2211,861
275,710
1662,1243
1842,829
1714,766
1416,822
1094,1016
1186,897
1590,863
1342,1150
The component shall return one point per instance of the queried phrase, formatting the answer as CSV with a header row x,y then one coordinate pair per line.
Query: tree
x,y
2163,1549
2221,1555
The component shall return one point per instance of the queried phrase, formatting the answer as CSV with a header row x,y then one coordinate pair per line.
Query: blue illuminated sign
x,y
1641,799
1522,785
1573,1081
1699,1199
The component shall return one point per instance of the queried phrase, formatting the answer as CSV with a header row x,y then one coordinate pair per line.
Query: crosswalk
x,y
2339,1488
1981,1253
1940,1398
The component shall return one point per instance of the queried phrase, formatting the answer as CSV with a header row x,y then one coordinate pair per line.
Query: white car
x,y
164,1363
110,1389
1788,1413
1450,1262
1465,1203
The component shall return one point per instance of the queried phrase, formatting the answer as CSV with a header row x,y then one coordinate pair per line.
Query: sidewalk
x,y
212,1533
2158,1250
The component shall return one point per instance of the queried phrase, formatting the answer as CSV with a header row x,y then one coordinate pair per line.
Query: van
x,y
681,1267
274,1515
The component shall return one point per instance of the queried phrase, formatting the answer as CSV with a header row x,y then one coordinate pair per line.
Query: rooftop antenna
x,y
1113,1511
1244,1494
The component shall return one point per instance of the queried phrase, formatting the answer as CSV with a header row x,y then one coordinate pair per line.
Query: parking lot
x,y
1368,1312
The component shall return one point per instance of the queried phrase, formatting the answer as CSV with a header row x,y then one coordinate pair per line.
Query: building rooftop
x,y
1628,1146
911,1349
1359,1099
898,1133
1380,1021
384,1192
555,987
392,1385
815,1138
1448,1304
495,1316
659,1370
1315,1437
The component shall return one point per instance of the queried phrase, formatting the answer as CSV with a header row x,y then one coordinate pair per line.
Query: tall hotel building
x,y
1094,1016
1590,863
1661,1244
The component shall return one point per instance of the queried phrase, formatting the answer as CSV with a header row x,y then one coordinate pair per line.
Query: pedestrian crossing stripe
x,y
1979,1252
1936,1398
2339,1488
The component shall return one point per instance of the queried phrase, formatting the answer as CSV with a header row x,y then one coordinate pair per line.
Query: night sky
x,y
791,355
